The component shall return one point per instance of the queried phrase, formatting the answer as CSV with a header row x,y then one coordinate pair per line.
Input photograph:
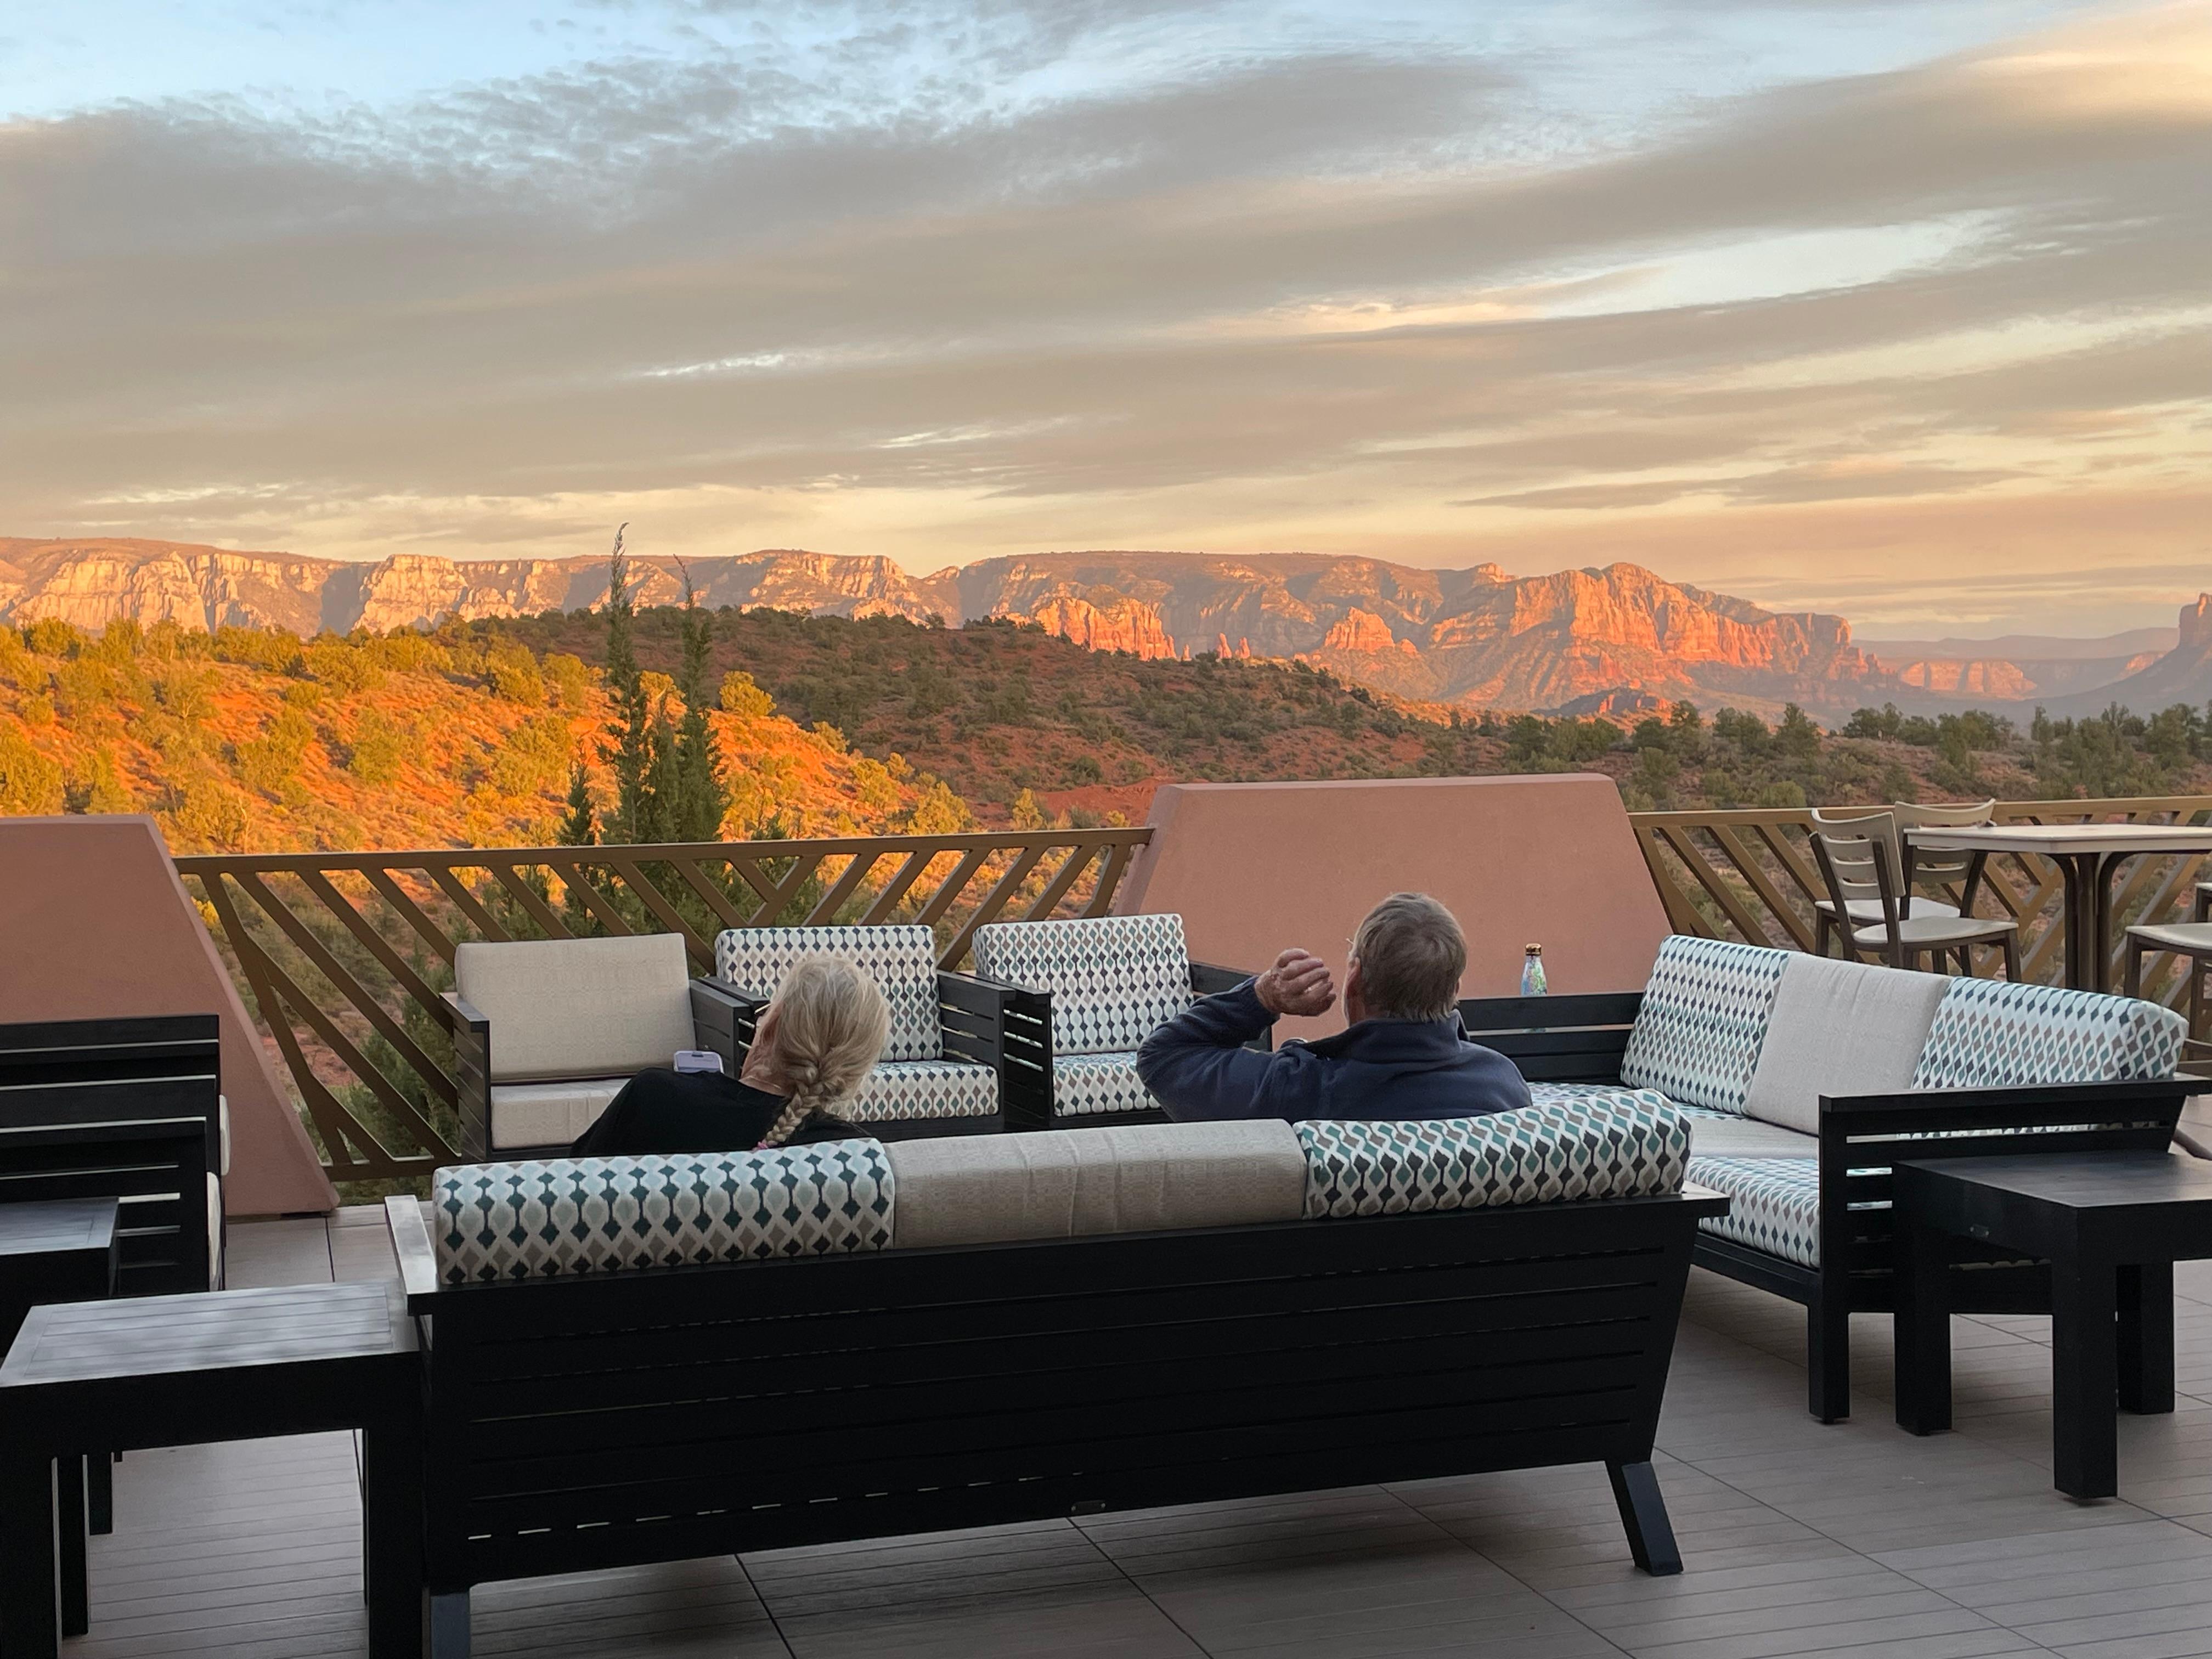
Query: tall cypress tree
x,y
701,800
631,726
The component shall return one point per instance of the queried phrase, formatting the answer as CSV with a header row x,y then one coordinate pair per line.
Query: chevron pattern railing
x,y
343,955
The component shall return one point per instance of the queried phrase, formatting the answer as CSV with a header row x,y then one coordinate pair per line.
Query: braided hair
x,y
831,1024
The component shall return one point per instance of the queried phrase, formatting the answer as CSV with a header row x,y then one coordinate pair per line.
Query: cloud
x,y
1327,296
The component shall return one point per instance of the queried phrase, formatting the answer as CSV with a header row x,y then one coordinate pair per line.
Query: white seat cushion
x,y
214,1232
549,1113
1059,1183
903,1090
1084,1085
1716,1135
1838,1028
578,1007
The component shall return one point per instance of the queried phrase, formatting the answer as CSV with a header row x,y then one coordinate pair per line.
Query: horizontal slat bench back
x,y
756,1405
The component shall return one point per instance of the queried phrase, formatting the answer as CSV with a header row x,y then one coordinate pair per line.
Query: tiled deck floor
x,y
1798,1538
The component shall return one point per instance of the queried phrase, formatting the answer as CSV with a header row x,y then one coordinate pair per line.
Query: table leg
x,y
392,1522
1923,1317
69,1544
2084,1376
30,1620
2146,1337
2076,877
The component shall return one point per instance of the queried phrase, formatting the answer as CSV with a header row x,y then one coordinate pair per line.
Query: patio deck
x,y
1797,1538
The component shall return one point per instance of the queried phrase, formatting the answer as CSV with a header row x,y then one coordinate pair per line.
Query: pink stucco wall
x,y
1254,868
96,925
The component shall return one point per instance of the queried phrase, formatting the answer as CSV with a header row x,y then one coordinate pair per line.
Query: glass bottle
x,y
1533,982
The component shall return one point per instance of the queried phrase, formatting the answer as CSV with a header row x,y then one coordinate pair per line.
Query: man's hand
x,y
1297,984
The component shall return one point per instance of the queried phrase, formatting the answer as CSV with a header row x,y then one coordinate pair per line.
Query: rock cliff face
x,y
1478,637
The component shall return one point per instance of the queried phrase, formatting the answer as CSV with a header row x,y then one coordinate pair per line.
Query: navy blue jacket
x,y
1198,1069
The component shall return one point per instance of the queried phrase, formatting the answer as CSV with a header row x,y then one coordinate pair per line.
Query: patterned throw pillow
x,y
518,1221
1994,1034
902,960
1114,979
1590,1148
1696,1035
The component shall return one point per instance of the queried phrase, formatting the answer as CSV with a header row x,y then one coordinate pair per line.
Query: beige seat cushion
x,y
1838,1028
548,1114
1060,1183
1747,1137
214,1232
578,1007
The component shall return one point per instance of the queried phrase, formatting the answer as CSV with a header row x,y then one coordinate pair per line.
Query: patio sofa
x,y
638,1360
1803,1079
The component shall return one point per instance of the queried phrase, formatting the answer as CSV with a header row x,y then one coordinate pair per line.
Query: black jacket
x,y
661,1111
1197,1068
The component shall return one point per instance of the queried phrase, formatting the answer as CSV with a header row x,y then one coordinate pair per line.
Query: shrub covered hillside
x,y
1029,728
469,734
251,740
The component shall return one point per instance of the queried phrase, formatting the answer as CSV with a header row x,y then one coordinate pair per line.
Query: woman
x,y
819,1036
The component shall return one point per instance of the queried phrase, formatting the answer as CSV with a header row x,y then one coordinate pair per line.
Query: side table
x,y
64,1249
185,1371
2111,1224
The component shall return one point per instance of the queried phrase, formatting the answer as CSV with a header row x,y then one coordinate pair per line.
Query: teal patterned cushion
x,y
1114,979
901,1090
902,960
1084,1085
1696,1035
1993,1034
1777,1204
1604,1094
1586,1149
596,1215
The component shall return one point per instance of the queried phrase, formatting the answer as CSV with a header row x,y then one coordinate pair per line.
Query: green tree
x,y
580,824
637,816
701,800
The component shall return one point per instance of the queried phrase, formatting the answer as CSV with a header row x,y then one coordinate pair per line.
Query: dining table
x,y
2086,855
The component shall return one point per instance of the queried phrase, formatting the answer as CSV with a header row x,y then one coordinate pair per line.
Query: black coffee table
x,y
186,1370
2111,1224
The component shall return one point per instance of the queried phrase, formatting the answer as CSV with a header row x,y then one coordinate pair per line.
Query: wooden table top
x,y
2082,1181
216,1330
2066,838
54,1225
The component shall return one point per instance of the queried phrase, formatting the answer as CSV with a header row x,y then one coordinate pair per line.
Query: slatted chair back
x,y
123,1109
1858,860
1932,868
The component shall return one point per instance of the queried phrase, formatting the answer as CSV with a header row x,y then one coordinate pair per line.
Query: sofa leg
x,y
1828,1362
447,1616
1644,1517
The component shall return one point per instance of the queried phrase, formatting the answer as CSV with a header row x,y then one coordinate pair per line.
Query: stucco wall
x,y
94,924
1254,868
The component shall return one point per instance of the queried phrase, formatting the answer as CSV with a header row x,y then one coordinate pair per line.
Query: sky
x,y
1895,308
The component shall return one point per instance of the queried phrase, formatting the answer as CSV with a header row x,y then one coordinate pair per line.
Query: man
x,y
1403,1055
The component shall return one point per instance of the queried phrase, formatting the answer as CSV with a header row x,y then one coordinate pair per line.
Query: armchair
x,y
574,1019
955,1038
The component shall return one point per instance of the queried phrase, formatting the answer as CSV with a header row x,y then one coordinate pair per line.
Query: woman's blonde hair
x,y
831,1025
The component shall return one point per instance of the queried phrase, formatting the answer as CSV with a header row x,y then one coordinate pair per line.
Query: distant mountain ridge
x,y
1594,640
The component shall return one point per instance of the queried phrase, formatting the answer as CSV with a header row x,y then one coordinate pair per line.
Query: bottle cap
x,y
1532,950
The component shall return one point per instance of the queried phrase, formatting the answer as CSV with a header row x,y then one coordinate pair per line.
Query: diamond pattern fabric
x,y
1993,1034
1602,1094
1777,1204
902,960
1084,1085
1696,1035
902,1089
1535,1155
495,1222
1114,979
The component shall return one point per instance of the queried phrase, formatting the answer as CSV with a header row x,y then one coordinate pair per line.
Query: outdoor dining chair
x,y
2190,941
1865,912
1860,861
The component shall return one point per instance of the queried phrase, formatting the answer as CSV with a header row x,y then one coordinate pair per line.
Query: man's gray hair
x,y
1410,955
